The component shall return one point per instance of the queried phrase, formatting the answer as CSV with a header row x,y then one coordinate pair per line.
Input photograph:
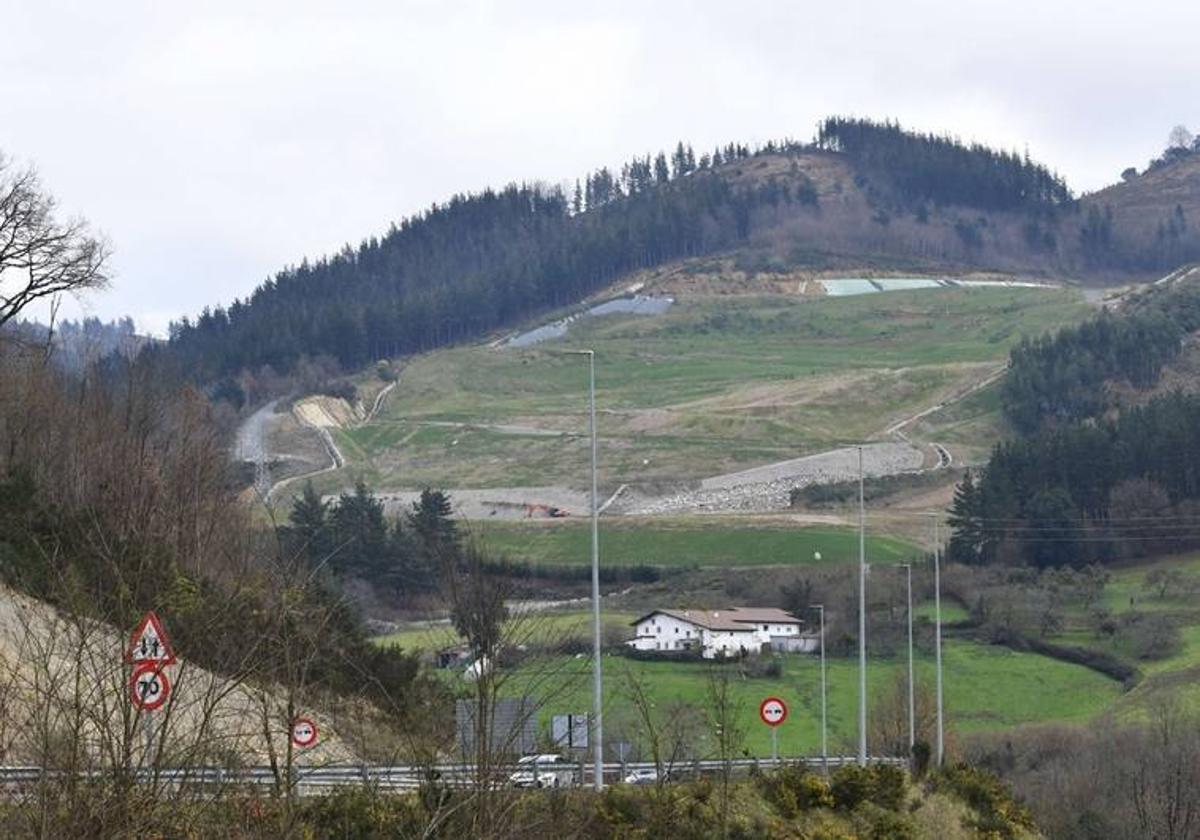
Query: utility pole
x,y
820,608
862,616
912,708
937,624
597,665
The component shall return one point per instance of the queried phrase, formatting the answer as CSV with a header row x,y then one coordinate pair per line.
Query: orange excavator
x,y
553,511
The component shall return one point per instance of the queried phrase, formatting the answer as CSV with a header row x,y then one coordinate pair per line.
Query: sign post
x,y
149,652
773,712
304,732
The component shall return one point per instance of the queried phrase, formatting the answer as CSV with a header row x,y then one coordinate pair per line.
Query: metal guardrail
x,y
400,778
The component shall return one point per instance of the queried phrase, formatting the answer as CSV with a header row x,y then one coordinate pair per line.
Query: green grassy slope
x,y
716,384
685,542
986,688
1175,677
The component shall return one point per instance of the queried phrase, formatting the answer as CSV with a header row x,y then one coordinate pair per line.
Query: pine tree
x,y
662,172
309,518
967,538
361,532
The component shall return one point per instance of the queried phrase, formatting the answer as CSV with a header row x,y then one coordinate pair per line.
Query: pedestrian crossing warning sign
x,y
149,642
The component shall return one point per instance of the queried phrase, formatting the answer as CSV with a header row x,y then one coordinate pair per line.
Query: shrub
x,y
385,371
882,784
999,815
921,753
850,786
881,824
795,788
359,813
340,388
1152,636
889,786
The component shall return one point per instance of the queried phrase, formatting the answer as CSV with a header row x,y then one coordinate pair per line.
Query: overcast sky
x,y
215,145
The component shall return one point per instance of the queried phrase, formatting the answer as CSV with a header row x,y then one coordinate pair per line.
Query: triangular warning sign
x,y
149,642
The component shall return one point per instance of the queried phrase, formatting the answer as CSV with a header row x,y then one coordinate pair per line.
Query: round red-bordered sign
x,y
773,711
304,732
149,687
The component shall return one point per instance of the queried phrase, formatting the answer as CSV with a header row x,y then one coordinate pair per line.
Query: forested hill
x,y
1107,465
489,259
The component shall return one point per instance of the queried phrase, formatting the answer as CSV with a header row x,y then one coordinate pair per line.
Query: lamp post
x,y
937,636
820,608
597,669
862,617
912,709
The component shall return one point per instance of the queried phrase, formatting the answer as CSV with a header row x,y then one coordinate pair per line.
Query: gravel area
x,y
498,502
766,488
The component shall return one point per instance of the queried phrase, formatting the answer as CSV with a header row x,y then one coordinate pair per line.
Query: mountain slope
x,y
1150,222
865,193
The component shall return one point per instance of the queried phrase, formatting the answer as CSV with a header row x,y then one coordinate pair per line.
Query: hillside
x,y
862,195
1150,222
746,386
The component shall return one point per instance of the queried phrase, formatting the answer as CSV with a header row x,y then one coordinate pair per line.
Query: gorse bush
x,y
794,789
881,785
998,815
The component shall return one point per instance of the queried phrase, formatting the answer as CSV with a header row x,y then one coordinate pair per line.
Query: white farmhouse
x,y
727,632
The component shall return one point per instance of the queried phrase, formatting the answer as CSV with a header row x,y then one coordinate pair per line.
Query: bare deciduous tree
x,y
41,256
1179,138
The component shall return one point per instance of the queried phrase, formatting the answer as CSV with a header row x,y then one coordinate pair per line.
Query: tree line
x,y
938,169
1087,491
1064,377
352,539
485,260
481,261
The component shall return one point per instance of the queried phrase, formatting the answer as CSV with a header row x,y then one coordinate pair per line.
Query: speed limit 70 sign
x,y
149,687
773,711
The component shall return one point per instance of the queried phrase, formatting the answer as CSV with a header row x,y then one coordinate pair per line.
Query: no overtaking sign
x,y
773,711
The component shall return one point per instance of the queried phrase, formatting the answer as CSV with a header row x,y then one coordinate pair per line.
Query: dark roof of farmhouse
x,y
733,618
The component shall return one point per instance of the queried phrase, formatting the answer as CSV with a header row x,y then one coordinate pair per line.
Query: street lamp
x,y
937,636
862,617
912,714
597,670
820,608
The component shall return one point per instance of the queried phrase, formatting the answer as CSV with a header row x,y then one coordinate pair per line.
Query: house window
x,y
658,630
765,627
676,629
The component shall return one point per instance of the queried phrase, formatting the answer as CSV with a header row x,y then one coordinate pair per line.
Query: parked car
x,y
542,771
641,776
649,776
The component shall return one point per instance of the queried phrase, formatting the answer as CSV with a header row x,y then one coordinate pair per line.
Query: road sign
x,y
570,731
773,711
149,643
304,732
149,687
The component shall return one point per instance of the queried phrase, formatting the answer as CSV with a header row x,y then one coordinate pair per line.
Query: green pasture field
x,y
986,688
715,384
1174,679
690,541
534,628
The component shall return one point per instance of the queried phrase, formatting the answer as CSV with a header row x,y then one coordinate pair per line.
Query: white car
x,y
641,776
542,771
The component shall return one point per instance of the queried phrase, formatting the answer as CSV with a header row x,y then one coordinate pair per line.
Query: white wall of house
x,y
660,632
730,642
664,632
